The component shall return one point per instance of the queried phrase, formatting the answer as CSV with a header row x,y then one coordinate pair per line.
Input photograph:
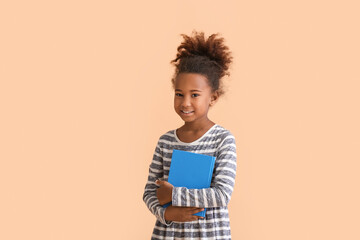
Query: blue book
x,y
191,170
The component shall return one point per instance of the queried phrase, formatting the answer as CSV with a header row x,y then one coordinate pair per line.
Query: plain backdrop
x,y
85,93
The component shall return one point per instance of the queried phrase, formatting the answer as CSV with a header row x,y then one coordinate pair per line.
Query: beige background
x,y
85,93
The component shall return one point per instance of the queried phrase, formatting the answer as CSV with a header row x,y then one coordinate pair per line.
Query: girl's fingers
x,y
196,210
159,182
191,209
194,218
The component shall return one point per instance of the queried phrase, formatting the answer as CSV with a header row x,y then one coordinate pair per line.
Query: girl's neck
x,y
198,126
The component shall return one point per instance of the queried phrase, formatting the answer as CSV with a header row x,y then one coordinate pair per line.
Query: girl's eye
x,y
178,94
195,95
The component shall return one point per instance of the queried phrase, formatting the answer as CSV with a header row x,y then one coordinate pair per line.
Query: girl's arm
x,y
149,196
176,214
219,194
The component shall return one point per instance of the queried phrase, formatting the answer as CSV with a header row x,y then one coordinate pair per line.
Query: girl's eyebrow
x,y
190,90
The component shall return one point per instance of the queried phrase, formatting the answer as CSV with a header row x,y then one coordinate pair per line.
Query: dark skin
x,y
182,214
186,134
193,98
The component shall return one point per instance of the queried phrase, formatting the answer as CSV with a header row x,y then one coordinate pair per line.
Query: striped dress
x,y
218,142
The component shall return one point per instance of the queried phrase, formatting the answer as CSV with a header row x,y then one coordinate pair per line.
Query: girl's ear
x,y
214,97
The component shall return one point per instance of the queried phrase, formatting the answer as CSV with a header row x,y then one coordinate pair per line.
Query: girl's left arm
x,y
219,194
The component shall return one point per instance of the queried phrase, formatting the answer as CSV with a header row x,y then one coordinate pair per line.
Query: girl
x,y
200,65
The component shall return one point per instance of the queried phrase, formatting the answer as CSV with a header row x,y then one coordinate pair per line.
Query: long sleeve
x,y
219,194
149,196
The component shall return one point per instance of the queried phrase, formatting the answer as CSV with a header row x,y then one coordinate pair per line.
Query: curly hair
x,y
209,57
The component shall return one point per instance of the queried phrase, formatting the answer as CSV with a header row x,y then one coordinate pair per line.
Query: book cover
x,y
191,170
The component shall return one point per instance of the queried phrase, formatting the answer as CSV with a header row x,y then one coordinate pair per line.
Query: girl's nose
x,y
186,102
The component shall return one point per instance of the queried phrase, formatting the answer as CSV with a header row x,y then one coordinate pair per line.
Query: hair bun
x,y
213,48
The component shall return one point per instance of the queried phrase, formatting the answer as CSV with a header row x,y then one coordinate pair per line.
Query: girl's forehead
x,y
191,81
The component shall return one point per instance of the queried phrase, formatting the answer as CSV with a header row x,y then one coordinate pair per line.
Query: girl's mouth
x,y
186,112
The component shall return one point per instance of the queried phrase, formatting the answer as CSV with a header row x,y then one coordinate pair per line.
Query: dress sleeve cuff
x,y
176,192
161,217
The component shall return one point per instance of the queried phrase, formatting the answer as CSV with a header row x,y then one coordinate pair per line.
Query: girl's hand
x,y
182,214
164,192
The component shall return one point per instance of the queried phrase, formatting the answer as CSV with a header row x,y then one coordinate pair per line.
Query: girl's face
x,y
193,97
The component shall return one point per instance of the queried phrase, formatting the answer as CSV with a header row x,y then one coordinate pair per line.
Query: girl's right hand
x,y
182,214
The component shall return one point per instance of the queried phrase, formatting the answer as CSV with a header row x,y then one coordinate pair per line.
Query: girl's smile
x,y
186,113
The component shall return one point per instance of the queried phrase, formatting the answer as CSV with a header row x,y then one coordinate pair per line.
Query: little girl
x,y
200,65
